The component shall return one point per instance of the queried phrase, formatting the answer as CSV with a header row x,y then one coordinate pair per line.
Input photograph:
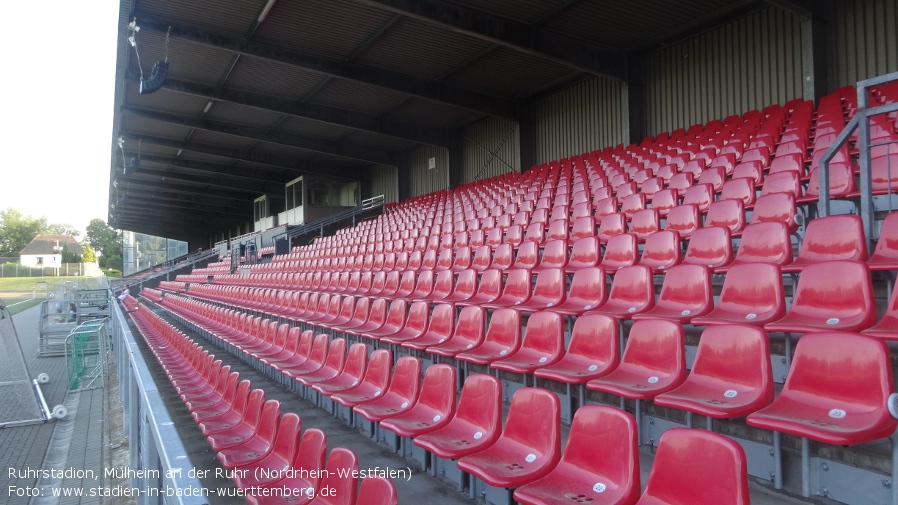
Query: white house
x,y
46,250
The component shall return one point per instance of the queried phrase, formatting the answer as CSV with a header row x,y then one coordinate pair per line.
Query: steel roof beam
x,y
334,67
511,34
321,113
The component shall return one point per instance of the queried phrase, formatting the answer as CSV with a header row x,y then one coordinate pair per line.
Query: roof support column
x,y
633,101
813,54
527,134
404,176
456,158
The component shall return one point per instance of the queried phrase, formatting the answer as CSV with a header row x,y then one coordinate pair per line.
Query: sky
x,y
57,92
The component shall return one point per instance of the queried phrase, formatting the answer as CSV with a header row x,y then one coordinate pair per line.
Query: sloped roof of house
x,y
45,244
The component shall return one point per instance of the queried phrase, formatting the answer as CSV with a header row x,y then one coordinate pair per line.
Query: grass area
x,y
16,305
26,284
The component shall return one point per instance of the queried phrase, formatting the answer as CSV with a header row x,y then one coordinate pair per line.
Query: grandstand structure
x,y
610,232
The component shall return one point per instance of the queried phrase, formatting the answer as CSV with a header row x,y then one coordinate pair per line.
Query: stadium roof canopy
x,y
260,92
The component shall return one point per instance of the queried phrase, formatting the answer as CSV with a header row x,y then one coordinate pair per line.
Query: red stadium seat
x,y
719,386
611,225
831,238
685,294
543,345
433,408
351,374
503,337
399,397
476,424
613,478
264,470
587,290
644,222
548,291
256,429
683,219
766,242
332,366
593,351
631,292
377,490
488,289
309,457
721,480
885,255
752,293
654,362
372,385
620,251
439,329
661,250
469,333
726,213
831,296
837,392
711,247
529,446
517,290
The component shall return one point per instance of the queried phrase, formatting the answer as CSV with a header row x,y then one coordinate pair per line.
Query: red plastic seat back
x,y
887,245
377,490
505,329
311,453
711,247
545,335
728,213
683,219
765,242
697,467
657,345
837,293
662,250
584,253
341,477
287,438
481,405
612,224
833,238
613,433
534,421
714,363
438,389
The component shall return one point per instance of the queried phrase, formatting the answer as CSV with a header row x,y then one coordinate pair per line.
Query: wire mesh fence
x,y
17,394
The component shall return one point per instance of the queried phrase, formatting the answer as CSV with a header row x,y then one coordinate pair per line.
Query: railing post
x,y
863,144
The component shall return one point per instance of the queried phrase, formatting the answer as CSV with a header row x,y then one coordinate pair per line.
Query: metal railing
x,y
155,445
366,206
861,123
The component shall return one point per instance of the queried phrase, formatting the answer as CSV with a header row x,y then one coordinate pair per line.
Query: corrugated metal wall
x,y
492,147
748,64
578,119
424,180
864,41
385,181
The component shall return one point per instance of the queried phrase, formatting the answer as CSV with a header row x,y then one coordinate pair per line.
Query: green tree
x,y
89,255
17,230
63,229
107,242
68,256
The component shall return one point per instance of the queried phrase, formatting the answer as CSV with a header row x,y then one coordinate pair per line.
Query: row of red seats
x,y
502,457
652,367
263,451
